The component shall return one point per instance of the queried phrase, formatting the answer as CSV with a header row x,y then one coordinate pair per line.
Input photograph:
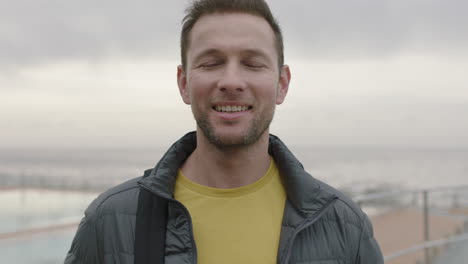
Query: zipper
x,y
195,257
303,226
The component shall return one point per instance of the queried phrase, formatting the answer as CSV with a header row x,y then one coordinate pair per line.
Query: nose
x,y
232,79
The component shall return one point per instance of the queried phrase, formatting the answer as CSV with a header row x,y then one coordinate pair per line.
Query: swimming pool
x,y
29,221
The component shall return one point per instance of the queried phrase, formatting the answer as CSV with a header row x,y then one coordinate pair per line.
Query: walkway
x,y
403,228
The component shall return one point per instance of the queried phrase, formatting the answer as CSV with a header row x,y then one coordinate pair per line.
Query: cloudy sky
x,y
365,73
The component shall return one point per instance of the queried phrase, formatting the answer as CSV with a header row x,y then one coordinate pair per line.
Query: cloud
x,y
369,28
43,31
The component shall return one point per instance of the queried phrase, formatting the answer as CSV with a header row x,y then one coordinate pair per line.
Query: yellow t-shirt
x,y
239,225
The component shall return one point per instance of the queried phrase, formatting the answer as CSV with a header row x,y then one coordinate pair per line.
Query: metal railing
x,y
426,246
452,199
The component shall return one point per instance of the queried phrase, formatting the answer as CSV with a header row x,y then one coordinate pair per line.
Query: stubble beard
x,y
256,129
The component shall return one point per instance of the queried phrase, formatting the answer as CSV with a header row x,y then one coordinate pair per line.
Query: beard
x,y
257,128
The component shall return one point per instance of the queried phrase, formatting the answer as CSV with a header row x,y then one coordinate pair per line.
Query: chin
x,y
232,136
229,139
234,140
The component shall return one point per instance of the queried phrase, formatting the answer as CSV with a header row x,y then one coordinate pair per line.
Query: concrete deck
x,y
403,228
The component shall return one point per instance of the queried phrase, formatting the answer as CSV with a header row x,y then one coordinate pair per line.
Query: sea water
x,y
340,167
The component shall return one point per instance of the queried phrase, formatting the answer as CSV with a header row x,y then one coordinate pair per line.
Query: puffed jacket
x,y
320,225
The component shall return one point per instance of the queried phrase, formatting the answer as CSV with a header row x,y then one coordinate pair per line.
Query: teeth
x,y
231,108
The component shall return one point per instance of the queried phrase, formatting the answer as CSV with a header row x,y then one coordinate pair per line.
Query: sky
x,y
365,73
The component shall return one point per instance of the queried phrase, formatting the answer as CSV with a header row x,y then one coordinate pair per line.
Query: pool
x,y
28,222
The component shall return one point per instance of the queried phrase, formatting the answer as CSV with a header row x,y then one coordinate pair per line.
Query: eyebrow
x,y
207,52
255,53
214,52
258,53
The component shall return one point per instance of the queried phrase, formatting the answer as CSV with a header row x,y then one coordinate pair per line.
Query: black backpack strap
x,y
150,230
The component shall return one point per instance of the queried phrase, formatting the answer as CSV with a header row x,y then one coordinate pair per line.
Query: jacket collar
x,y
304,192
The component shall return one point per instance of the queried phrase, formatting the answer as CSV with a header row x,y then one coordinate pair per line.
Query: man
x,y
229,192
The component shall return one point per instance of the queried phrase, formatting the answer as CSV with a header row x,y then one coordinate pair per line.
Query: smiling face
x,y
231,79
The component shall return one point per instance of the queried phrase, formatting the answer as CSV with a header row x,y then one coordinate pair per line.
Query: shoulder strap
x,y
150,230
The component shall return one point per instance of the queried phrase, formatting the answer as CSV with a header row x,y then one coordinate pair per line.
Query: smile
x,y
231,108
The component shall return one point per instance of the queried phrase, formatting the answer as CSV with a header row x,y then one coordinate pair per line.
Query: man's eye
x,y
210,64
253,65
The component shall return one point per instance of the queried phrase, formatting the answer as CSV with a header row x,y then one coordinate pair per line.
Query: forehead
x,y
231,31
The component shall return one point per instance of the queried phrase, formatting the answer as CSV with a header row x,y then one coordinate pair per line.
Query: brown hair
x,y
199,8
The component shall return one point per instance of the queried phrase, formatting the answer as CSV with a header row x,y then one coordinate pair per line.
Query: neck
x,y
228,167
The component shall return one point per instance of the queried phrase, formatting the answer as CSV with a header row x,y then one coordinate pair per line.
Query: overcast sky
x,y
365,73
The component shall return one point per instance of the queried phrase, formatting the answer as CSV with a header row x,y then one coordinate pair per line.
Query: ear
x,y
283,85
182,83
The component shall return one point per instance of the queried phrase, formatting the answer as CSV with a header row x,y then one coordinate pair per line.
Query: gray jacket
x,y
320,225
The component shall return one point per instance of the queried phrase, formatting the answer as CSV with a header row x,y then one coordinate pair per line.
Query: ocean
x,y
61,183
345,168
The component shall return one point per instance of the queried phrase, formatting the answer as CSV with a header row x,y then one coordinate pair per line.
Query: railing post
x,y
426,225
414,198
455,201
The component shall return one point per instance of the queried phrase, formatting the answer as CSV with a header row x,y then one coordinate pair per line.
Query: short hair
x,y
199,8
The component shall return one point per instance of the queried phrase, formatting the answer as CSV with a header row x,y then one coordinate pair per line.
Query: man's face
x,y
232,80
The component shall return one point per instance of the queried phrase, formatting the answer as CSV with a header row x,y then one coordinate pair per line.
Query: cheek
x,y
196,87
267,88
